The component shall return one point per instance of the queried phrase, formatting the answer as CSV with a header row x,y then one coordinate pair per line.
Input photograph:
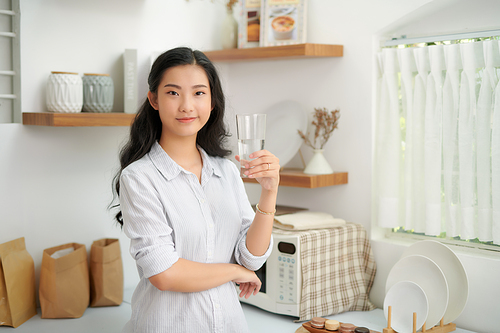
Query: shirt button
x,y
202,200
211,225
217,305
209,253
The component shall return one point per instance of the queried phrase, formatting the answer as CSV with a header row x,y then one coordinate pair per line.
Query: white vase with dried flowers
x,y
229,37
324,123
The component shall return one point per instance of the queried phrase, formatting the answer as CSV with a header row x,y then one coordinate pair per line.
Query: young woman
x,y
183,205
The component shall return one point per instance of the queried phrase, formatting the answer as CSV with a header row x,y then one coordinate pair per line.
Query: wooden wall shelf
x,y
77,119
297,51
297,178
289,177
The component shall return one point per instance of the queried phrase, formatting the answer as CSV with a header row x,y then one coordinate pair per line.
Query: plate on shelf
x,y
427,274
284,119
453,270
405,298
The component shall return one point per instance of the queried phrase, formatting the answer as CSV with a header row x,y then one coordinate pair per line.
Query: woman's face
x,y
183,101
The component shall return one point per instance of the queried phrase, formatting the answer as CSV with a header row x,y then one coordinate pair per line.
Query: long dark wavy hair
x,y
147,126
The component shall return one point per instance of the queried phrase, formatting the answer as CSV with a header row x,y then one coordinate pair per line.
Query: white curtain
x,y
408,72
389,141
437,152
418,138
451,90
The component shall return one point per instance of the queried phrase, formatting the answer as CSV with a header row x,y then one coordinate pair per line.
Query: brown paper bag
x,y
64,283
17,284
106,273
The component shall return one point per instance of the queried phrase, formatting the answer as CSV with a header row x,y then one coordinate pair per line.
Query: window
x,y
10,78
437,151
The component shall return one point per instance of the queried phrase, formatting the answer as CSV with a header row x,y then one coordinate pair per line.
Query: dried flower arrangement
x,y
324,123
230,4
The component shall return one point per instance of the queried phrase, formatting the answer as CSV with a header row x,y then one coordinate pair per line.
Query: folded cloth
x,y
307,220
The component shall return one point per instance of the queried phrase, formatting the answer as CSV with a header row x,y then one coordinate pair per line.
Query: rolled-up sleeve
x,y
242,255
247,259
145,223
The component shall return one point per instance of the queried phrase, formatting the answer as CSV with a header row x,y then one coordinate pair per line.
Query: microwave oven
x,y
281,278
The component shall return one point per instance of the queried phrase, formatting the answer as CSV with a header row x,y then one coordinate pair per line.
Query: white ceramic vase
x,y
64,92
229,37
318,165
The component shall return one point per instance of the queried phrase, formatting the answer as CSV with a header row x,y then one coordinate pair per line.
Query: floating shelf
x,y
288,177
297,51
297,178
77,119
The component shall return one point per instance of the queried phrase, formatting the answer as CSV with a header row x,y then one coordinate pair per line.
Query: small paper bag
x,y
64,283
17,284
106,273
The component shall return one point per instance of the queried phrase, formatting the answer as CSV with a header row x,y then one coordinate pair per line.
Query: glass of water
x,y
251,130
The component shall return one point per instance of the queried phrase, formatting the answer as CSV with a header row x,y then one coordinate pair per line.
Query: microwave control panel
x,y
288,272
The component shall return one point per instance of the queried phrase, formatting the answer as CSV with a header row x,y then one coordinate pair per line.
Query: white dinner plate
x,y
405,298
427,274
284,119
453,270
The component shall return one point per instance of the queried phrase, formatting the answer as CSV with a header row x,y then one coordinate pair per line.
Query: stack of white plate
x,y
429,280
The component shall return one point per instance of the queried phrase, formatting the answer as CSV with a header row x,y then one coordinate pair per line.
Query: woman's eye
x,y
198,93
172,93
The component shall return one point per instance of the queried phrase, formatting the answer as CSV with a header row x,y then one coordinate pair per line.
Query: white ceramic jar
x,y
98,92
64,92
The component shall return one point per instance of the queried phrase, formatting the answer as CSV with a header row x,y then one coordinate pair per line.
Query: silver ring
x,y
268,166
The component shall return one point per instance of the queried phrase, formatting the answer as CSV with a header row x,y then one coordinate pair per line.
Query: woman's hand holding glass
x,y
264,167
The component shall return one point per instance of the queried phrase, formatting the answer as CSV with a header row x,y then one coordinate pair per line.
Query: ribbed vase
x,y
98,93
64,92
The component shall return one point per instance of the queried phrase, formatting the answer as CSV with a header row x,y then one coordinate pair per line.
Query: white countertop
x,y
112,319
261,321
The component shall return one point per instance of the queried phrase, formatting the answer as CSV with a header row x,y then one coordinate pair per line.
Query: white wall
x,y
55,183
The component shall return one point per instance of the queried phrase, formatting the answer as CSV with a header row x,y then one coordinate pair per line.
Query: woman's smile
x,y
185,120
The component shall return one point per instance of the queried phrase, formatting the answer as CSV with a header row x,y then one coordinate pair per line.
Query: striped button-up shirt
x,y
168,214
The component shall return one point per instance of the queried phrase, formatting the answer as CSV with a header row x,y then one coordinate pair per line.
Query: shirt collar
x,y
170,169
210,165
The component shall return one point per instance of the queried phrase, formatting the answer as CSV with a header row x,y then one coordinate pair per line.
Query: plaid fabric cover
x,y
338,270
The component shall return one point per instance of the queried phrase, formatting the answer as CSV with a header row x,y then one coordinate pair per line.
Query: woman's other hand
x,y
248,281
